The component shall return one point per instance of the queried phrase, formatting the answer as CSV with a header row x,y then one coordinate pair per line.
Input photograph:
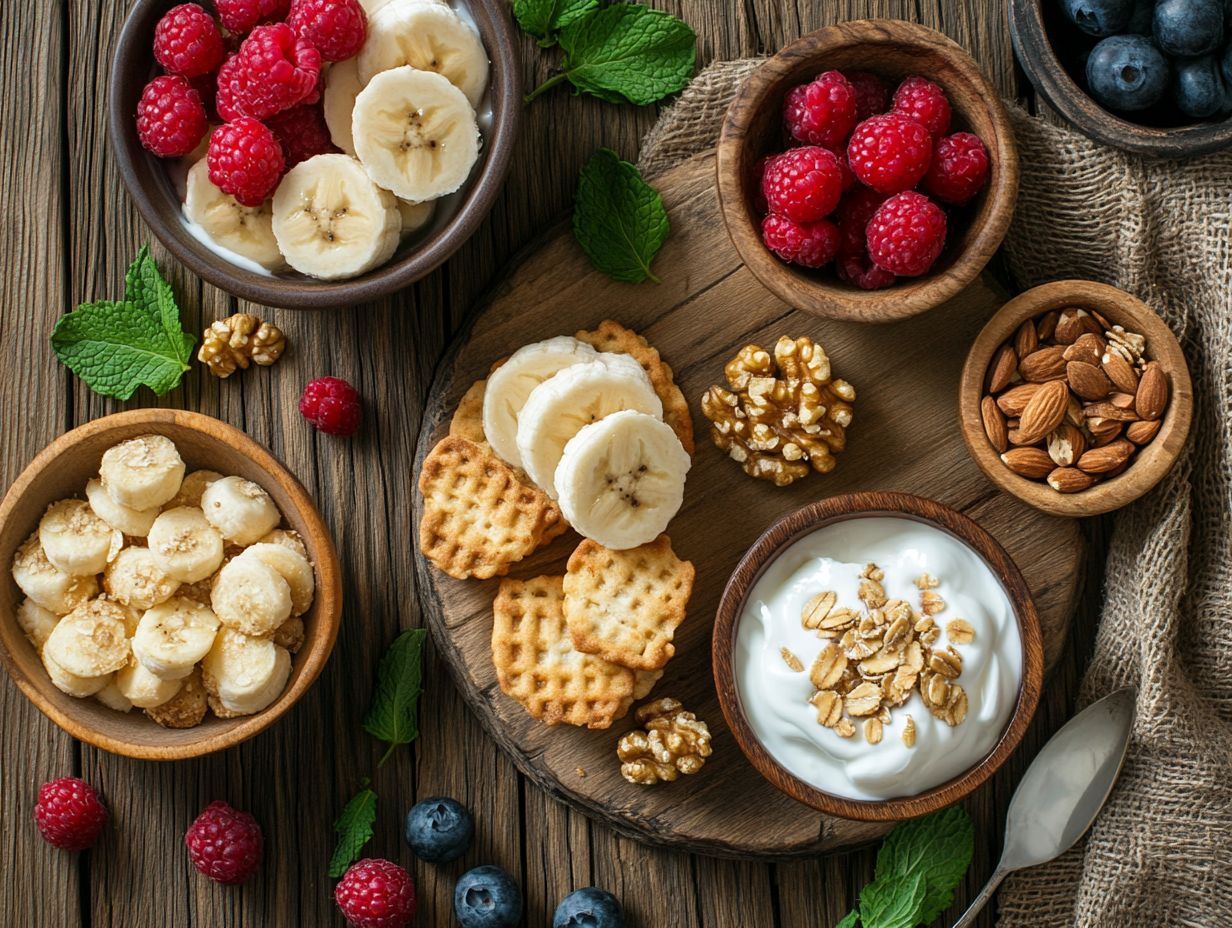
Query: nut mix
x,y
235,341
1071,399
674,742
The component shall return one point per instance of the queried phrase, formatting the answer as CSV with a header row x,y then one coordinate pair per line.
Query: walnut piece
x,y
674,742
784,414
233,342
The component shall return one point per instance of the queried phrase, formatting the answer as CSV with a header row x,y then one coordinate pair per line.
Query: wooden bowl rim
x,y
771,544
1121,308
835,299
327,605
149,187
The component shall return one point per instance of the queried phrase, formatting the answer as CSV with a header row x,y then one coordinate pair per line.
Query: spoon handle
x,y
977,905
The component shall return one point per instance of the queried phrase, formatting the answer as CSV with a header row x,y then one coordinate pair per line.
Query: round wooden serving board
x,y
905,437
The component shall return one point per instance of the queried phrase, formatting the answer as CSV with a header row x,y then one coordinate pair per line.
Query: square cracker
x,y
625,606
538,666
478,517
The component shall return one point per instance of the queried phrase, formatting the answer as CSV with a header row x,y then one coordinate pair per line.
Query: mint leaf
x,y
391,717
117,347
893,903
618,218
850,920
938,847
354,828
544,18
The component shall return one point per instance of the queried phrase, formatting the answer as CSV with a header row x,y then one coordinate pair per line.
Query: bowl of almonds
x,y
1076,398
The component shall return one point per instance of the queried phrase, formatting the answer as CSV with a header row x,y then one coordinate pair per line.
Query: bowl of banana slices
x,y
171,589
303,170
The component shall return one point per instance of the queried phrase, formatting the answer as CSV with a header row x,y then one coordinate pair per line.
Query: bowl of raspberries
x,y
868,171
314,153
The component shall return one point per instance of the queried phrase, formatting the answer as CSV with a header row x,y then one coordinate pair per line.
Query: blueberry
x,y
487,897
1188,28
1099,17
1127,72
589,908
1140,19
439,830
1199,87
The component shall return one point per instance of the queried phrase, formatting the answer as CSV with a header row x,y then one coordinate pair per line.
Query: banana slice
x,y
621,479
135,579
415,215
37,623
111,697
184,545
92,640
240,510
133,522
76,540
415,133
429,37
511,383
71,683
245,674
45,583
142,688
172,637
245,230
251,597
143,472
342,86
288,538
292,567
572,398
191,489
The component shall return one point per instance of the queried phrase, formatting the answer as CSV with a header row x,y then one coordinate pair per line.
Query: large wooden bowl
x,y
61,470
857,506
893,49
1151,463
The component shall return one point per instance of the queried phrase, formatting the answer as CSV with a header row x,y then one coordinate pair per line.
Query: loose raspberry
x,y
959,169
332,405
245,160
822,112
241,15
187,41
336,27
69,814
171,118
924,102
906,234
853,263
273,71
302,133
890,152
376,894
872,94
224,844
810,245
803,184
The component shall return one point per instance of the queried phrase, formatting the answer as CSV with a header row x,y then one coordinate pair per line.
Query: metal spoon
x,y
1063,790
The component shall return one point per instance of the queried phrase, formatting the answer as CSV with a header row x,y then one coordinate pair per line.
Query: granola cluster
x,y
674,742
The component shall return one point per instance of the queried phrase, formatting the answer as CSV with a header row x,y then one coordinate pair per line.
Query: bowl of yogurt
x,y
877,655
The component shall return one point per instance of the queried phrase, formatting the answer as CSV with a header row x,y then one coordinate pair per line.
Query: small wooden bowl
x,y
151,188
1152,461
1052,52
894,50
817,515
61,470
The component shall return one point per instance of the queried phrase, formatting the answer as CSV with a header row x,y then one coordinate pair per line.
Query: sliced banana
x,y
71,683
288,538
135,579
76,540
246,674
511,383
575,397
251,597
621,479
92,640
342,86
172,637
111,697
142,688
240,510
45,583
415,215
184,545
133,522
37,623
246,230
429,37
415,133
143,472
292,567
191,489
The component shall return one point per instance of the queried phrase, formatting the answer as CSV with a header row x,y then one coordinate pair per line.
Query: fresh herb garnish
x,y
354,827
618,218
545,18
115,347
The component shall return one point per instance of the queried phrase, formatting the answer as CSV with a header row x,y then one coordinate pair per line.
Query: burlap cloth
x,y
1161,852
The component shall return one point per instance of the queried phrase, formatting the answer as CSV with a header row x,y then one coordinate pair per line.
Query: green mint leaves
x,y
545,18
354,827
117,347
618,218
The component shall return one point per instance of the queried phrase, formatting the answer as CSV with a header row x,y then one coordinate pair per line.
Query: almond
x,y
1104,430
1025,339
1066,444
1028,462
1043,365
994,424
1004,366
1069,480
1047,325
1073,323
1089,347
1073,411
1087,380
1106,458
1122,400
1014,400
1108,410
1044,411
1152,397
1142,431
1016,438
1120,372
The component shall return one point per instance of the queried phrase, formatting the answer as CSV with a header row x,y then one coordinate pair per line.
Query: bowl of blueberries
x,y
1152,77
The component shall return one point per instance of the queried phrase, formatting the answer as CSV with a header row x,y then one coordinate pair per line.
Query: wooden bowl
x,y
894,50
817,515
1152,461
155,194
61,470
1052,52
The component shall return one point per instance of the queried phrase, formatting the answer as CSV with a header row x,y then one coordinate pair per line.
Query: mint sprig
x,y
354,828
618,218
116,347
545,18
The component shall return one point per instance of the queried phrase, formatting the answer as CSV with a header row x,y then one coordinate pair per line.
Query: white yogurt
x,y
775,699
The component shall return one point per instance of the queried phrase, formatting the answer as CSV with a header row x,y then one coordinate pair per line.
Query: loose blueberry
x,y
487,897
1140,19
1127,72
1099,17
1199,88
1188,28
439,830
589,908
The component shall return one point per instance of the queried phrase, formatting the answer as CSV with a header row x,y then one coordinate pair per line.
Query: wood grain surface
x,y
71,234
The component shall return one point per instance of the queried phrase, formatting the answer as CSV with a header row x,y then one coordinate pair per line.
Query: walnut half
x,y
233,342
674,742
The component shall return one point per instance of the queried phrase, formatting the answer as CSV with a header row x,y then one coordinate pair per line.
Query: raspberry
x,y
872,94
69,814
241,15
273,71
890,153
332,406
376,894
906,234
822,112
171,118
302,133
245,160
810,245
224,844
207,89
759,175
336,27
853,263
959,169
187,41
924,102
803,184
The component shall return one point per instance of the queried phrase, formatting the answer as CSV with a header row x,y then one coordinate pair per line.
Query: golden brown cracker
x,y
467,421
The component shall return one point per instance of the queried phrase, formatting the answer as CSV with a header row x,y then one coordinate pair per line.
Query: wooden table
x,y
72,232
